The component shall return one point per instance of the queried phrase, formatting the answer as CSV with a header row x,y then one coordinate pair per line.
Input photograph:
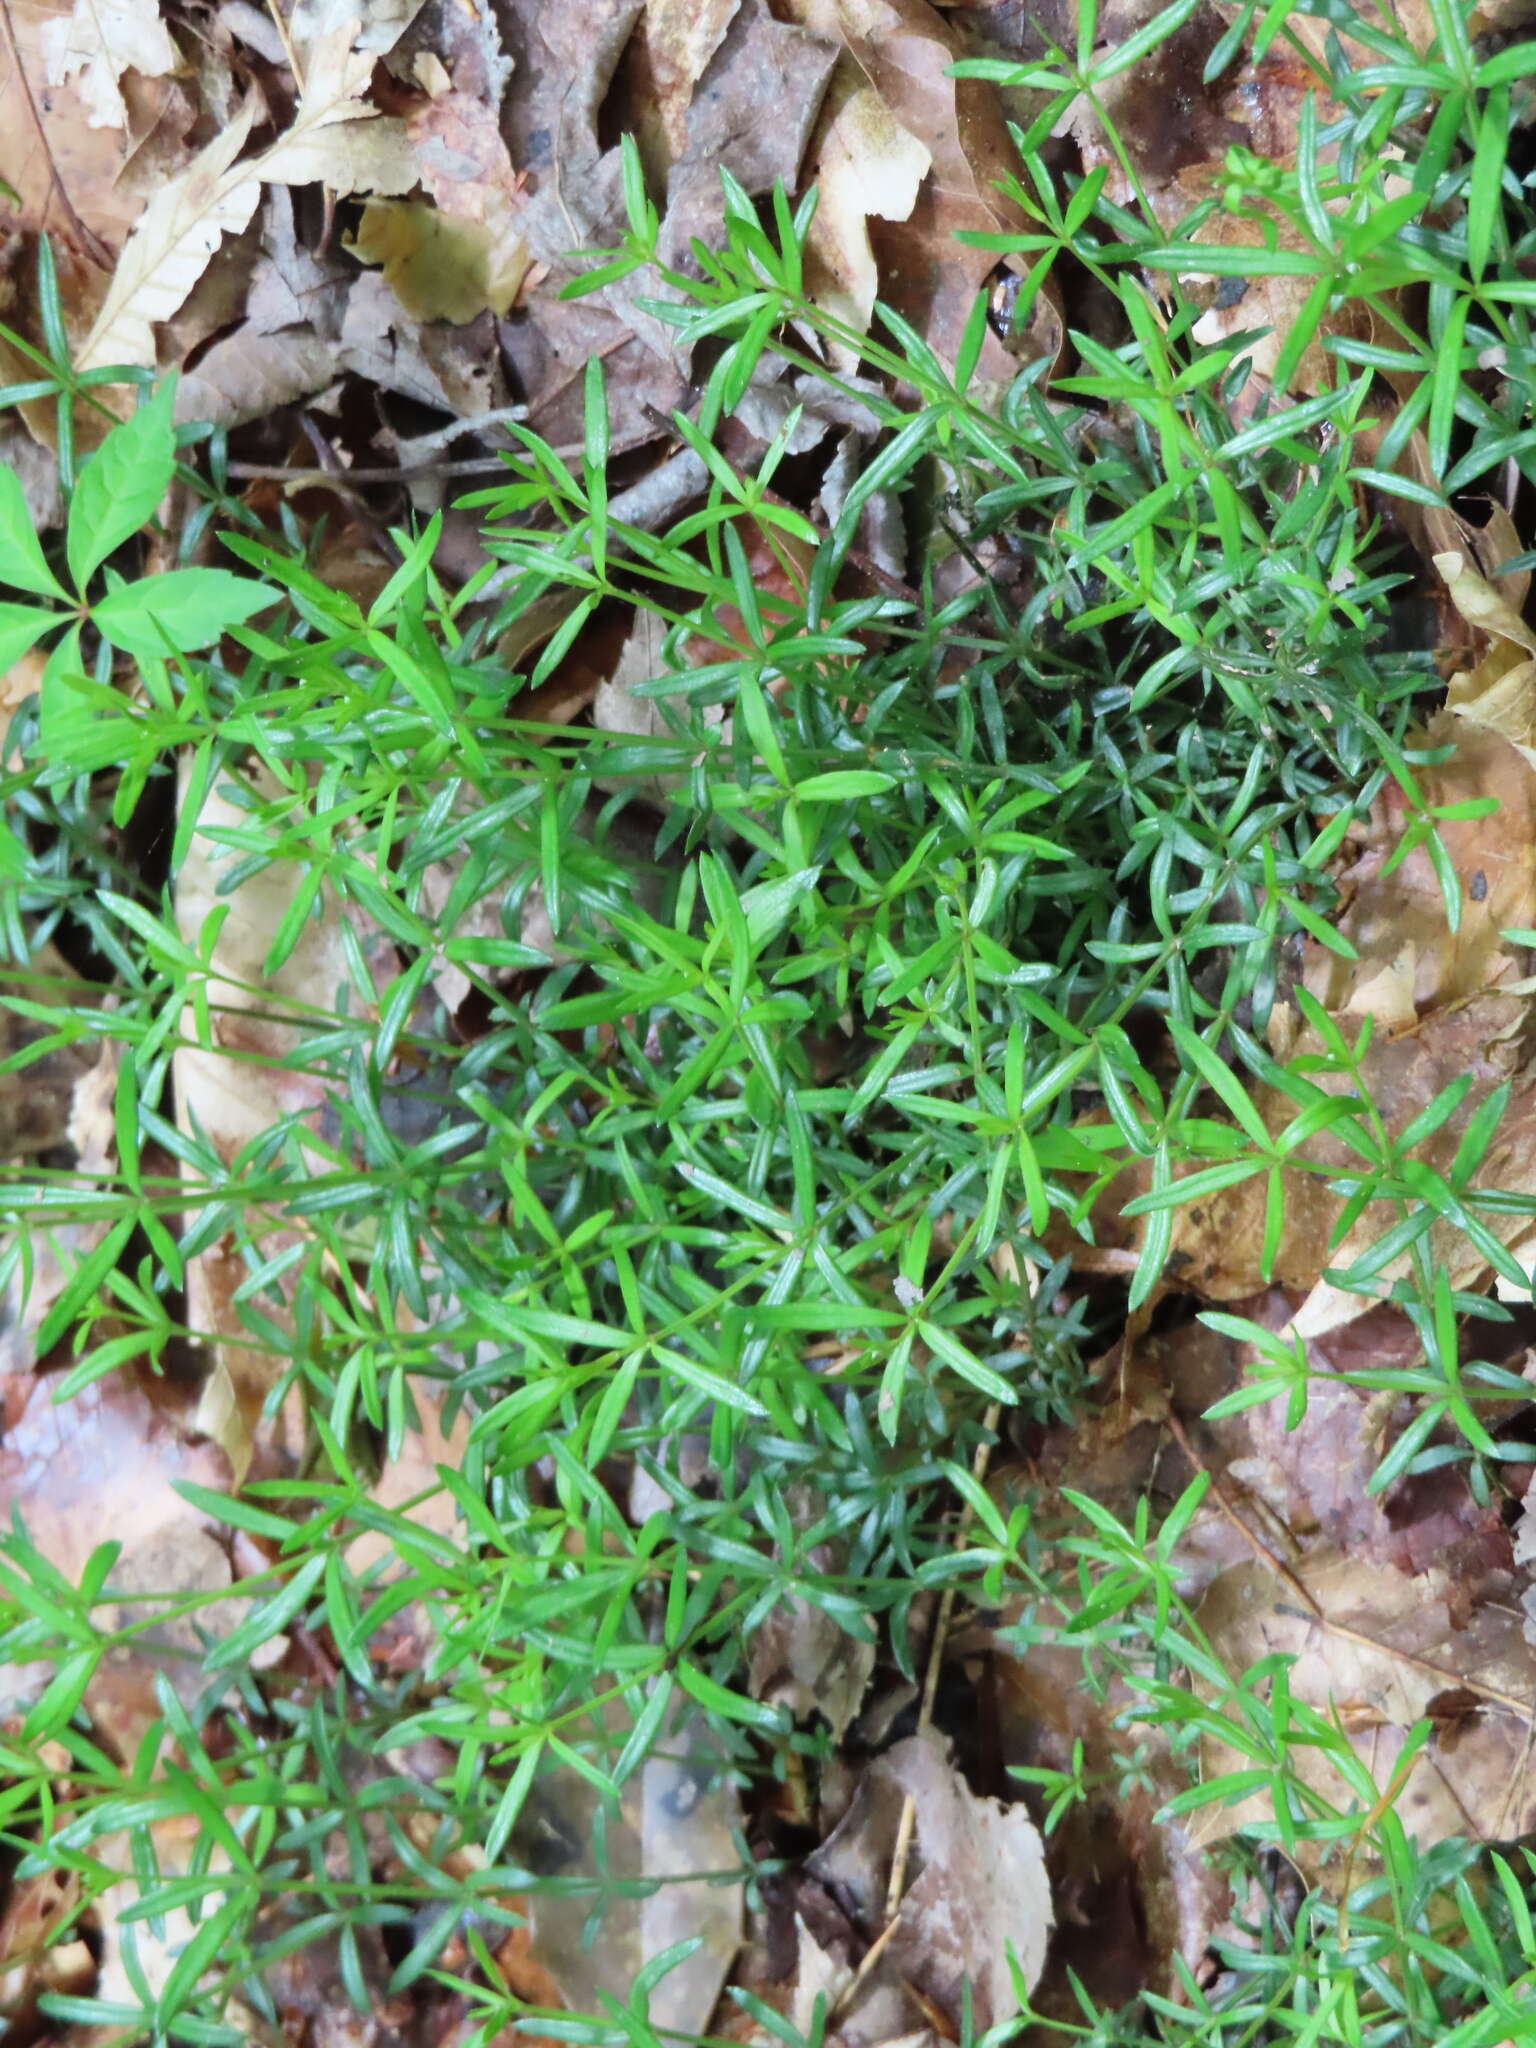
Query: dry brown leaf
x,y
904,50
104,180
1411,20
1236,304
1133,1895
669,52
1445,1004
373,26
1309,1487
96,1466
409,1485
803,1659
1499,694
752,115
616,707
37,1101
456,370
101,40
467,169
676,1819
1377,1653
155,1943
980,1890
336,141
571,198
249,375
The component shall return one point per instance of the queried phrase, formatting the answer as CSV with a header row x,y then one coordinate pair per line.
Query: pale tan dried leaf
x,y
373,26
99,42
170,247
864,162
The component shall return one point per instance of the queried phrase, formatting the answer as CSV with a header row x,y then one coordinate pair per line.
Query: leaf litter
x,y
479,169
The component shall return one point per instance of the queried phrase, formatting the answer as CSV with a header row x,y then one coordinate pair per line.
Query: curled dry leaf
x,y
1134,1896
864,162
1376,1653
978,1894
903,51
752,115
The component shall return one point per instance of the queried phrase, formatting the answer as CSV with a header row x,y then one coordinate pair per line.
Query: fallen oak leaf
x,y
170,247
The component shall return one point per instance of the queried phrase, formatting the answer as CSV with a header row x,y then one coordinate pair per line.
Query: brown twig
x,y
90,241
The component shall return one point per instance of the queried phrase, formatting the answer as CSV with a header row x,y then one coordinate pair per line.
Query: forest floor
x,y
769,1090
